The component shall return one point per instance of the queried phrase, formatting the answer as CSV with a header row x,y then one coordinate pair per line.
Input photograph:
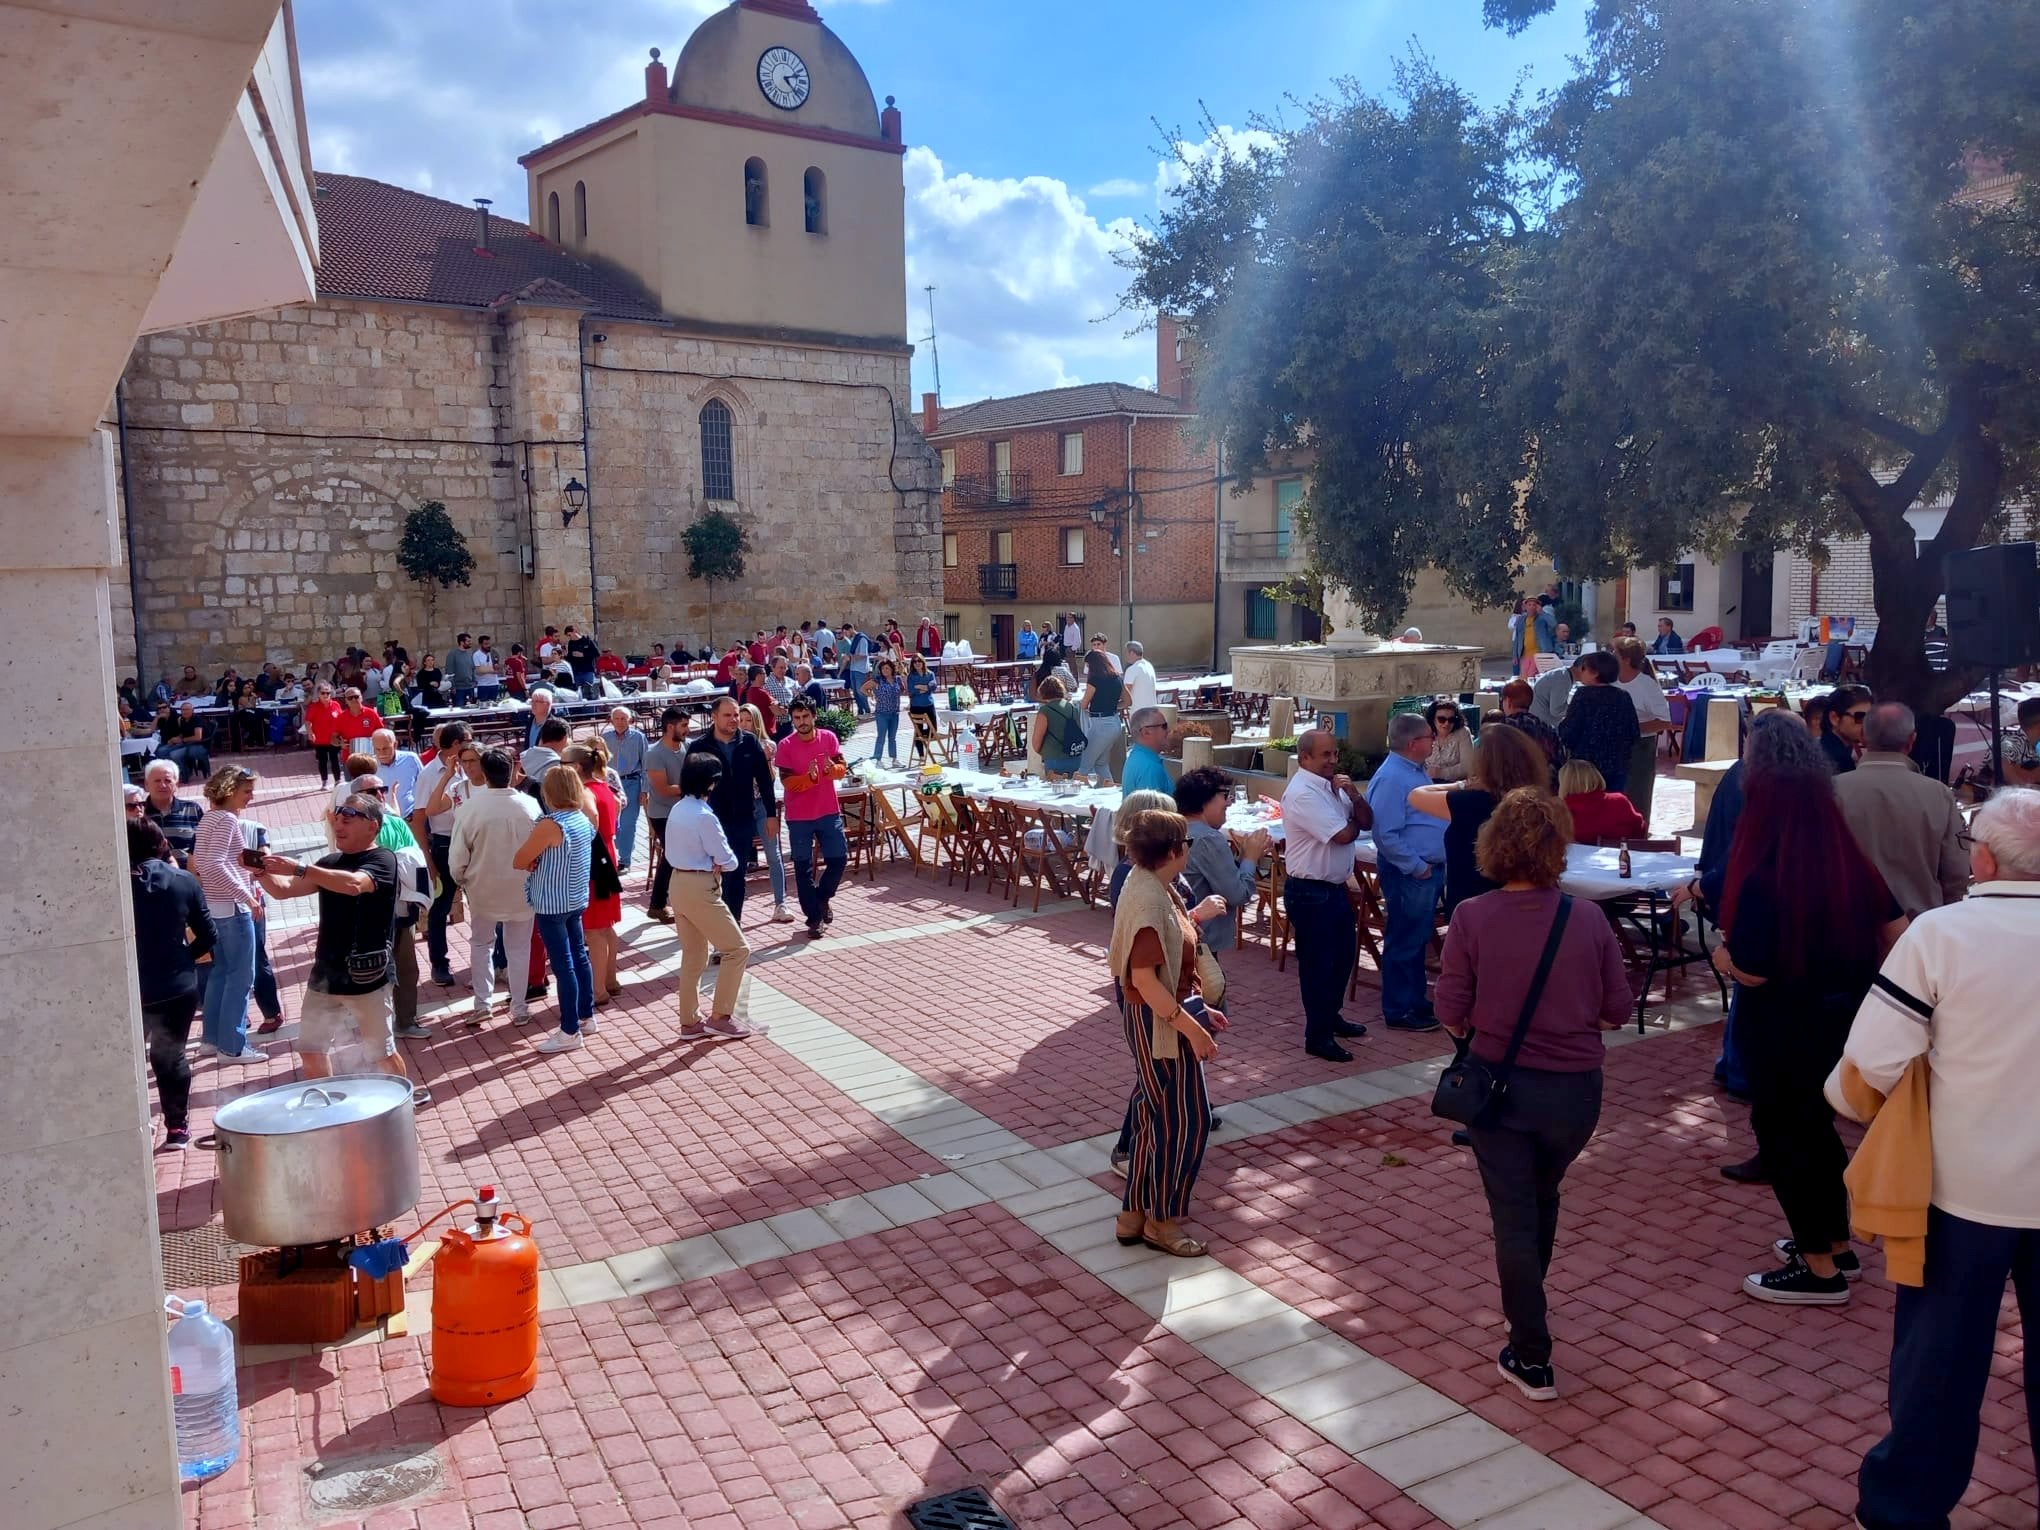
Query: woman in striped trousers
x,y
1169,1031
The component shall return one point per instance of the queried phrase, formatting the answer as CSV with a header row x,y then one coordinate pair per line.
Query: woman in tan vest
x,y
1169,1030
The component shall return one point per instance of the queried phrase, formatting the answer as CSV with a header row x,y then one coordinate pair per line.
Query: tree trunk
x,y
711,613
1905,586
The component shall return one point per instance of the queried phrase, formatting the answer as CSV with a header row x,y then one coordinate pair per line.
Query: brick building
x,y
270,459
1093,498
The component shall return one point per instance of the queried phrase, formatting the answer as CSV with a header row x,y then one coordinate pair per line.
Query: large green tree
x,y
1752,276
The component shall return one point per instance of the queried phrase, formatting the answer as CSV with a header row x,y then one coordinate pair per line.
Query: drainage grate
x,y
970,1509
201,1256
351,1484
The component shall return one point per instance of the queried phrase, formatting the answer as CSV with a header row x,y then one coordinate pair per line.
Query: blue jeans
x,y
230,981
488,690
855,680
1100,734
1411,906
463,695
1729,1069
626,819
887,745
775,862
1942,1341
566,947
828,833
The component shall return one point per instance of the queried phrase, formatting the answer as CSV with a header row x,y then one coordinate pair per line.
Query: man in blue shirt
x,y
855,647
1144,770
1409,850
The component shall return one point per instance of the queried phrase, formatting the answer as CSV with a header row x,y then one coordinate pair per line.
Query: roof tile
x,y
382,241
1056,404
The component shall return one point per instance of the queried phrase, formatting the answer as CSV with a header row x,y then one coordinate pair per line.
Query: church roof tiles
x,y
382,241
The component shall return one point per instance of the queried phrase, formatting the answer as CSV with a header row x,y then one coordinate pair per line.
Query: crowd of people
x,y
1864,928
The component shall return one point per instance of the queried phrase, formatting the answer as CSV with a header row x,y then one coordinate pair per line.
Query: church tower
x,y
757,191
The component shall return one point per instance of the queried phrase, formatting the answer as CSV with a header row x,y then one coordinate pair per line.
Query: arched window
x,y
815,193
552,217
580,211
718,454
757,211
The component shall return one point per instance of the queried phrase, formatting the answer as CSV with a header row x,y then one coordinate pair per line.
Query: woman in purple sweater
x,y
1553,1099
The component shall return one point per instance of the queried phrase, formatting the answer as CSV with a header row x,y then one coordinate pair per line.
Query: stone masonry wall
x,y
834,483
273,460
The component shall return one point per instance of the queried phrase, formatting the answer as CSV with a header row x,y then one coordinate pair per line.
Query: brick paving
x,y
833,1386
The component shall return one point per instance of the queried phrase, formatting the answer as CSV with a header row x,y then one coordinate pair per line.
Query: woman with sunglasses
x,y
920,706
1451,746
1841,726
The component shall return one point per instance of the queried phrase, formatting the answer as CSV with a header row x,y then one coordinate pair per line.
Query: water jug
x,y
202,1391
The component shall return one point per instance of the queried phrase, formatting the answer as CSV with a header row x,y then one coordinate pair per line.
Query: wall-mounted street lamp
x,y
575,497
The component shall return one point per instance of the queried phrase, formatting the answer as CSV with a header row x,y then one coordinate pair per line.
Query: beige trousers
x,y
701,920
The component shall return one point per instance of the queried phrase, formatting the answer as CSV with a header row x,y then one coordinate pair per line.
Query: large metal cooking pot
x,y
306,1163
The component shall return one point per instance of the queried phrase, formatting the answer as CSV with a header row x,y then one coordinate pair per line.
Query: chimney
x,y
931,413
655,79
889,122
482,213
1174,354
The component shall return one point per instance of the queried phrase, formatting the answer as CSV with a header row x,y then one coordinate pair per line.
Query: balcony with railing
x,y
990,491
1259,554
999,581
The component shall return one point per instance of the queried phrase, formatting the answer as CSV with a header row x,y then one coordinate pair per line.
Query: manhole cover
x,y
201,1256
352,1484
969,1509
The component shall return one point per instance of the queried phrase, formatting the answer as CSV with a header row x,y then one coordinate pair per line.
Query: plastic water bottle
x,y
967,748
202,1391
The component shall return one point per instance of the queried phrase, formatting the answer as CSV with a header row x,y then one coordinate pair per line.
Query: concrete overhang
x,y
123,205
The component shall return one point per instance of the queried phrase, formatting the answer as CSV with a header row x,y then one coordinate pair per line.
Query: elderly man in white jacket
x,y
488,830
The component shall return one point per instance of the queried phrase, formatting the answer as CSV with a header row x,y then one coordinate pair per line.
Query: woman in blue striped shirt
x,y
557,856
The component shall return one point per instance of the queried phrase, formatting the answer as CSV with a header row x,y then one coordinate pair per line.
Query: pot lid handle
x,y
306,1097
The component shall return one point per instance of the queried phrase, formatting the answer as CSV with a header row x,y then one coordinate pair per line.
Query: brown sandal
x,y
1179,1243
1139,1229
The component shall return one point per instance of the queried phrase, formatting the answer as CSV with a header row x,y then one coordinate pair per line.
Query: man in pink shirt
x,y
809,761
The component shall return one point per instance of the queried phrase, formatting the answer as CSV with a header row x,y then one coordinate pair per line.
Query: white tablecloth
x,y
1592,871
978,716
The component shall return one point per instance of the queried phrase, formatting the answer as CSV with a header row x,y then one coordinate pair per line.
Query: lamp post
x,y
574,499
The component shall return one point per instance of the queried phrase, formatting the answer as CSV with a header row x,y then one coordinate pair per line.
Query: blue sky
x,y
1031,124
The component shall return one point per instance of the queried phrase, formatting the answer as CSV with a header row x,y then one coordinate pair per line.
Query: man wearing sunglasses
x,y
1144,770
1841,728
347,1022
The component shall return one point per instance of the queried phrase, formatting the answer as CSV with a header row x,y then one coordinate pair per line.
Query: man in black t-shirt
x,y
348,1019
582,653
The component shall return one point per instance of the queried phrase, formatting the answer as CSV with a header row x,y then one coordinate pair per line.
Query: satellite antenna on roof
x,y
929,339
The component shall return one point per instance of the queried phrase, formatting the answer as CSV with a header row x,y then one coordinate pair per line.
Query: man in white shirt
x,y
488,681
1140,678
1653,716
1322,814
488,830
1073,635
1952,993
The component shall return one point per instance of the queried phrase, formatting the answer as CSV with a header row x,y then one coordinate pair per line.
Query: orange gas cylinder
x,y
485,1310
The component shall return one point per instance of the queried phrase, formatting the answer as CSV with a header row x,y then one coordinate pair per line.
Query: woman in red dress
x,y
605,888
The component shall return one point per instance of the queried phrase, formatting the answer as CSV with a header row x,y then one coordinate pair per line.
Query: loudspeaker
x,y
1994,606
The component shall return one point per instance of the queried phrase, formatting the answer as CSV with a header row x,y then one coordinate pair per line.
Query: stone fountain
x,y
1356,674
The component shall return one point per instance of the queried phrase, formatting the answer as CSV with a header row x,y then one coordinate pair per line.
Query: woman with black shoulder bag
x,y
1527,1080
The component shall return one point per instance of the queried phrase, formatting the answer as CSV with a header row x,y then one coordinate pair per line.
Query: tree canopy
x,y
432,550
1760,273
716,542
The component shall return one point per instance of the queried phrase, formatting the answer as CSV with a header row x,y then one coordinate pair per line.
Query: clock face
x,y
783,78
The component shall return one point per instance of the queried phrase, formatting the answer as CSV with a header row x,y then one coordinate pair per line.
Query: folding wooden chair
x,y
1268,900
860,836
1049,851
1370,920
930,739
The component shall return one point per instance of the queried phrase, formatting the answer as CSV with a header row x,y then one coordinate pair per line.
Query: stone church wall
x,y
272,461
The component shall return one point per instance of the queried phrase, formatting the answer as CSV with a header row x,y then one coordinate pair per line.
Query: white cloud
x,y
1226,140
1026,284
1119,186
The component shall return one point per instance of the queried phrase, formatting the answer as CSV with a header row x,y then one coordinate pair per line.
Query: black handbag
x,y
1470,1087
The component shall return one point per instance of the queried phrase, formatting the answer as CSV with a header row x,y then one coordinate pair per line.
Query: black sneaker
x,y
443,976
1749,1172
411,1030
814,929
1846,1261
1412,1023
1348,1030
828,914
177,1139
1330,1051
534,993
1536,1382
1793,1284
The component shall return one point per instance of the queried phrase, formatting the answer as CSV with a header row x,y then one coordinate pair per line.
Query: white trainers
x,y
560,1041
781,914
728,1027
591,1025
